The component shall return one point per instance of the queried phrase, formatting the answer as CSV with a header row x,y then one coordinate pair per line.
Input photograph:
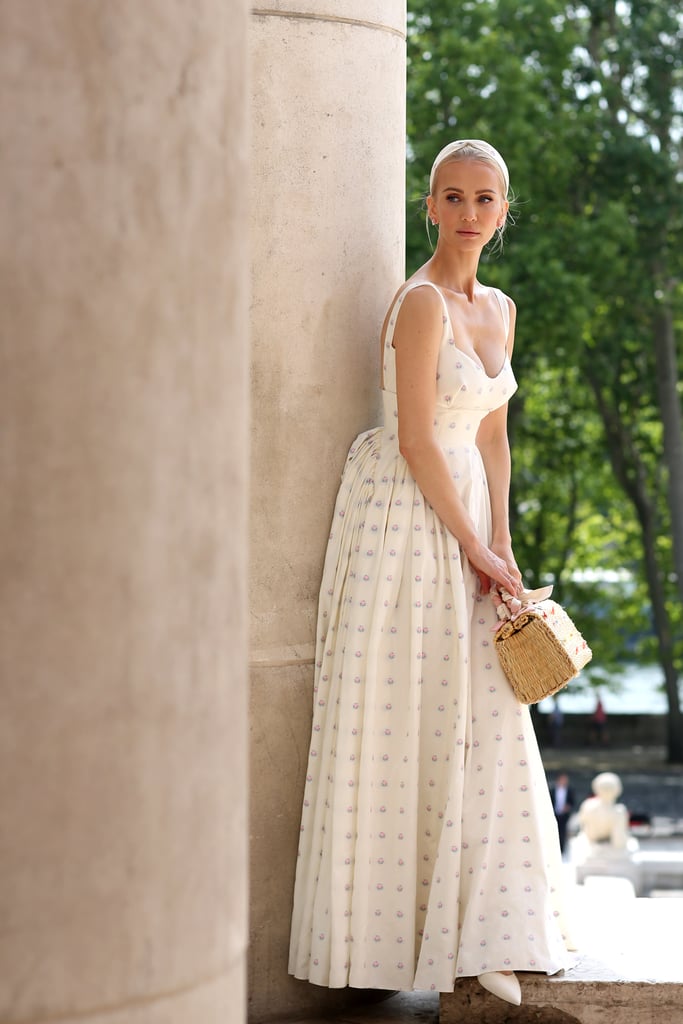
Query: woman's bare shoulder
x,y
511,305
512,308
421,307
422,298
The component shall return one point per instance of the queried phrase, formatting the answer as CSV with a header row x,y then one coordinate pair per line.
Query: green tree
x,y
582,100
632,64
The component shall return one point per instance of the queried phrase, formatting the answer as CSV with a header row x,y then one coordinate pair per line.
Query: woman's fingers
x,y
500,574
491,568
485,581
509,583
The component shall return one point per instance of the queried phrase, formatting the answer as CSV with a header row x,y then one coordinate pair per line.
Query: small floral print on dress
x,y
400,610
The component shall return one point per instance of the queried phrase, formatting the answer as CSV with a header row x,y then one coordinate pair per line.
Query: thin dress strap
x,y
389,365
502,302
505,312
389,337
389,353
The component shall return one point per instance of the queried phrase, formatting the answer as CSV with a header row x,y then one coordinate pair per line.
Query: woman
x,y
428,848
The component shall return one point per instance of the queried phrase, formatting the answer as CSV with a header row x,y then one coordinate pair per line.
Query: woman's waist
x,y
381,444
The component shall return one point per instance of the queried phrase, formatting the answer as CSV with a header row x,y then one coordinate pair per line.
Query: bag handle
x,y
509,606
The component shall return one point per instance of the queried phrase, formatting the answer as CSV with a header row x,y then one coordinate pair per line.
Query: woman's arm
x,y
417,340
493,443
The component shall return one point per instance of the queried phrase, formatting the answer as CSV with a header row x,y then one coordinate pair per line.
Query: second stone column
x,y
327,216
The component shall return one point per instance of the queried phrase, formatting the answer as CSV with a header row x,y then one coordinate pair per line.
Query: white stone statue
x,y
601,818
604,845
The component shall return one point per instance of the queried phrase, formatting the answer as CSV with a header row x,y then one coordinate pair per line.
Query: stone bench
x,y
646,870
659,870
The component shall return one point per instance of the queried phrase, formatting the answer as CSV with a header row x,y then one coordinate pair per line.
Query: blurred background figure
x,y
599,724
563,804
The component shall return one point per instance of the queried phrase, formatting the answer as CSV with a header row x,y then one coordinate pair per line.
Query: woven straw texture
x,y
540,651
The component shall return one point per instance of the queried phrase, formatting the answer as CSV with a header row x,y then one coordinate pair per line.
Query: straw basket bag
x,y
540,649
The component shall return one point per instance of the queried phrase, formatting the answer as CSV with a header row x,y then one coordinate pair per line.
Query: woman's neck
x,y
455,272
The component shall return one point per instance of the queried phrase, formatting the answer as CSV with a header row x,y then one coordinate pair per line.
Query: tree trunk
x,y
670,409
631,475
662,624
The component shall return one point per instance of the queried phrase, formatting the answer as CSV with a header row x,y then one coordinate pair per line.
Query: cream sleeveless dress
x,y
428,847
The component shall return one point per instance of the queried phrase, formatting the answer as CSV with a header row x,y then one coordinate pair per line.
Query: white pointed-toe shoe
x,y
505,986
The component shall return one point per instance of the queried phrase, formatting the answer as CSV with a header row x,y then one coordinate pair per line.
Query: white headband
x,y
486,150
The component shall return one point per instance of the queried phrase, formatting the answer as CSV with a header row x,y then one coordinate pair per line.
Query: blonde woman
x,y
428,848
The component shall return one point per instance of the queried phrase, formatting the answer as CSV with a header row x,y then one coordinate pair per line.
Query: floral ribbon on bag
x,y
509,606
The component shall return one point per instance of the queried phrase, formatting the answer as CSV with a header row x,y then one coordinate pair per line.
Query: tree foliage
x,y
584,101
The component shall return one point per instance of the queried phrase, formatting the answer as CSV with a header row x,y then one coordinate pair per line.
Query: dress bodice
x,y
465,392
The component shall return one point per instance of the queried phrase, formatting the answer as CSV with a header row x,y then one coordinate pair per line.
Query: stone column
x,y
123,390
327,217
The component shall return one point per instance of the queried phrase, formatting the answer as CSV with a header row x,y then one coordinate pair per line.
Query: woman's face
x,y
467,203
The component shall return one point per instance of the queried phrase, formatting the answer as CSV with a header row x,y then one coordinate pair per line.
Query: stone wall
x,y
622,731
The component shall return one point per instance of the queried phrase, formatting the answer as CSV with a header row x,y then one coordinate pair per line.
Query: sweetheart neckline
x,y
475,362
389,341
479,365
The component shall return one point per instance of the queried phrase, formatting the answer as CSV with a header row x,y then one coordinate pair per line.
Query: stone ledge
x,y
629,969
590,997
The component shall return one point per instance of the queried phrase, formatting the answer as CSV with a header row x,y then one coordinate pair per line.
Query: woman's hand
x,y
492,567
504,551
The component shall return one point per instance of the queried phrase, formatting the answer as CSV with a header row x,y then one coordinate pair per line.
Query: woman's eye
x,y
453,198
486,199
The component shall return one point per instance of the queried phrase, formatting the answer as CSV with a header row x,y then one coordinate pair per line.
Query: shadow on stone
x,y
469,1002
498,1012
